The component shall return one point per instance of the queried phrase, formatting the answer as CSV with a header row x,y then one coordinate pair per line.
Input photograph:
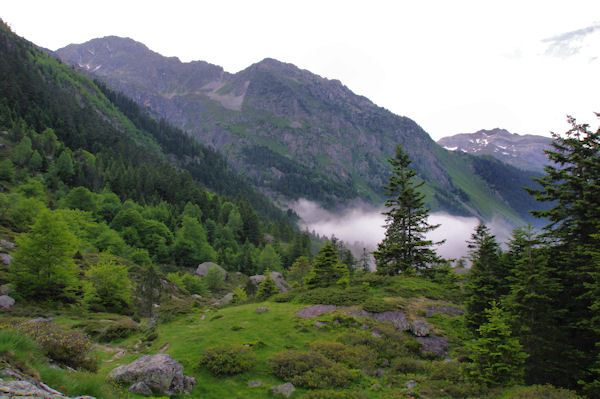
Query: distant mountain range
x,y
523,151
294,134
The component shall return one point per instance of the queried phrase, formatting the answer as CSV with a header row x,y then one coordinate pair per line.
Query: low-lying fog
x,y
361,226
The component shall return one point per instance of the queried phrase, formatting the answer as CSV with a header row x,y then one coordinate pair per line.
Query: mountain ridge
x,y
294,121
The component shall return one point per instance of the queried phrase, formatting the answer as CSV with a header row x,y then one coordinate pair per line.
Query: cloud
x,y
572,43
362,226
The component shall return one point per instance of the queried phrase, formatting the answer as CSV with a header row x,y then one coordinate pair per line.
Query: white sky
x,y
452,66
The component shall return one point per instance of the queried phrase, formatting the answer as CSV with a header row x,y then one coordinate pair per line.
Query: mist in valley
x,y
361,226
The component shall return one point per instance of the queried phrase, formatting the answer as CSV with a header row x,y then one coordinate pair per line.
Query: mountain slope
x,y
292,133
522,151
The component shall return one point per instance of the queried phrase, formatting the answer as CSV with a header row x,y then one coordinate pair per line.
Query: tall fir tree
x,y
572,187
487,280
327,269
405,248
532,303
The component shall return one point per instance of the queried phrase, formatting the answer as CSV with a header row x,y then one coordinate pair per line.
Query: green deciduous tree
x,y
327,269
110,287
43,266
404,248
269,259
498,358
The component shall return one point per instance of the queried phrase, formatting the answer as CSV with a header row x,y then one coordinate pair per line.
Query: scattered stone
x,y
202,269
252,384
22,386
375,334
320,324
419,328
40,320
6,244
434,344
385,363
140,388
284,389
411,384
314,311
161,373
6,259
6,302
226,299
364,327
396,317
379,372
260,309
203,317
163,348
196,296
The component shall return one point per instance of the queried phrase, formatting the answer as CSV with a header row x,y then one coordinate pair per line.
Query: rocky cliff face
x,y
522,151
292,133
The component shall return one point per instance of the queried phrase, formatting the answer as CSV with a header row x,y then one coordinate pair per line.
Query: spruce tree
x,y
327,269
498,358
404,248
486,280
572,188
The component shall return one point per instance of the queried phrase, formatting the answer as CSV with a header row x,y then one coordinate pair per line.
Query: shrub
x,y
407,365
540,391
67,347
173,308
228,360
194,284
333,296
373,279
214,279
449,371
109,331
358,356
284,296
239,295
377,305
311,370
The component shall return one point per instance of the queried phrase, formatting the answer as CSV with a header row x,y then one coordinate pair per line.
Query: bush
x,y
109,331
333,296
358,356
539,392
228,360
173,308
407,365
377,305
67,347
448,371
311,370
214,279
239,295
373,279
284,296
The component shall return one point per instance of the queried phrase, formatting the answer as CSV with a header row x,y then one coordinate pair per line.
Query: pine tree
x,y
498,358
487,280
404,248
572,187
327,269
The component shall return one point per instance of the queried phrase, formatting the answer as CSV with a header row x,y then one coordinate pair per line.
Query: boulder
x,y
252,384
396,317
160,373
277,277
6,244
260,309
6,259
140,388
419,328
6,302
202,269
284,389
226,299
434,344
314,311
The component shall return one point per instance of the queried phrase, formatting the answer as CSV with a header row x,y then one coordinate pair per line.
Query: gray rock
x,y
226,299
161,373
284,389
320,324
6,302
375,334
379,372
396,317
196,296
434,344
6,259
6,244
188,383
202,269
419,328
252,384
314,311
140,388
277,277
411,384
261,309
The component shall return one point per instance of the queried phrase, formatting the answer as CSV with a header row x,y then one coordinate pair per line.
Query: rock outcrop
x,y
277,277
6,302
159,373
14,384
203,268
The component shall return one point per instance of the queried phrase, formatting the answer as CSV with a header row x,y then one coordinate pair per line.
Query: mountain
x,y
294,134
522,151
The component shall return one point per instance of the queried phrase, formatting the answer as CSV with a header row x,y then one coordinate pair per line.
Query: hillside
x,y
295,134
522,151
